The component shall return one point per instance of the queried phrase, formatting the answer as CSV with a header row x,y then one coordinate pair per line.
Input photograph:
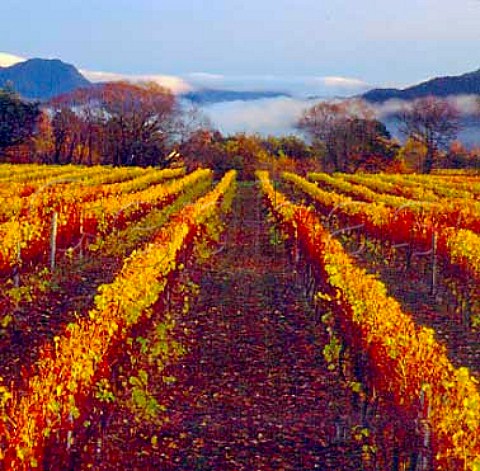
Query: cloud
x,y
296,85
6,60
176,84
277,116
205,77
467,105
389,108
238,82
346,83
266,116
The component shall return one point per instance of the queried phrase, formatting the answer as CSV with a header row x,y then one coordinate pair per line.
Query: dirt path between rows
x,y
254,391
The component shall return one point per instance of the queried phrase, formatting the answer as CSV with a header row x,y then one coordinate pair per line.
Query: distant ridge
x,y
208,96
42,79
466,84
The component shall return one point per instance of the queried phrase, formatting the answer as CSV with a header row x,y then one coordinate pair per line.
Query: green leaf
x,y
139,398
143,375
134,381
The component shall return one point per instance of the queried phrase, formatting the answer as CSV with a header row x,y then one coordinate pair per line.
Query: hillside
x,y
209,96
466,84
42,79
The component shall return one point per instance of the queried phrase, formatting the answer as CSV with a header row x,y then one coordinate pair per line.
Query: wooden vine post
x,y
425,456
16,268
82,235
433,286
53,240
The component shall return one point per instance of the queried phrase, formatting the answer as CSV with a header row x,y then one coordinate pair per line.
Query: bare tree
x,y
139,123
432,122
191,122
123,123
349,133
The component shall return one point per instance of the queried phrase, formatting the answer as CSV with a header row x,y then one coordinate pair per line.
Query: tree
x,y
65,125
203,148
412,155
245,154
289,146
43,140
139,122
77,127
190,122
351,137
123,123
371,148
432,122
17,119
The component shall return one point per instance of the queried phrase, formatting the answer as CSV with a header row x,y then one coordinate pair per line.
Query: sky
x,y
377,42
305,47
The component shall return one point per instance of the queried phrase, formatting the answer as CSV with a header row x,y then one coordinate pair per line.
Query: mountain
x,y
466,84
209,96
41,79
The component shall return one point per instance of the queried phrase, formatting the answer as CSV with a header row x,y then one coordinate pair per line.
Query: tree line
x,y
353,139
112,123
125,124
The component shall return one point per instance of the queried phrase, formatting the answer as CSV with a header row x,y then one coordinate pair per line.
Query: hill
x,y
42,79
466,84
210,96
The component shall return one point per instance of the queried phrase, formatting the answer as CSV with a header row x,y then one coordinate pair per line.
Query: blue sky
x,y
377,42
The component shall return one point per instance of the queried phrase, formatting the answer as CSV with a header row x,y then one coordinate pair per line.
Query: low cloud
x,y
467,105
205,77
7,60
389,108
277,116
345,83
299,86
176,84
274,116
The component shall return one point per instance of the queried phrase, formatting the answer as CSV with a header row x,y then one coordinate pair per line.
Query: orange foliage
x,y
406,361
68,369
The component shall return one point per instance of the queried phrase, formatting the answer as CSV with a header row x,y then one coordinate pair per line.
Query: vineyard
x,y
165,320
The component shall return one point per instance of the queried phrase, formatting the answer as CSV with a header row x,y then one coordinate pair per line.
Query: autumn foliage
x,y
406,364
